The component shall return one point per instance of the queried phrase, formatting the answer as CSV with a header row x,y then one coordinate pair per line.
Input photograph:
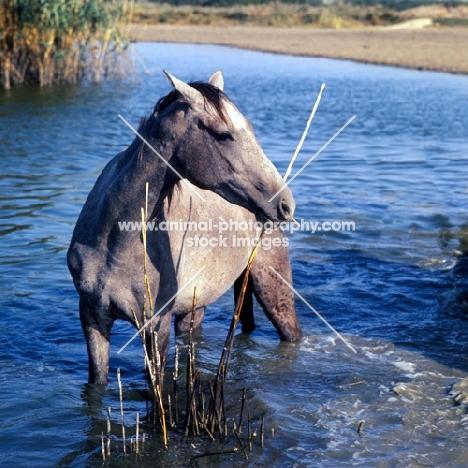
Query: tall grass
x,y
46,42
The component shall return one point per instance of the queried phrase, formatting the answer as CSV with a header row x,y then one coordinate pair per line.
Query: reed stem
x,y
239,429
103,450
137,433
304,134
108,431
121,412
262,431
175,377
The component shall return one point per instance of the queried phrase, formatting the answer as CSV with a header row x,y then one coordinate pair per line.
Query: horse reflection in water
x,y
205,139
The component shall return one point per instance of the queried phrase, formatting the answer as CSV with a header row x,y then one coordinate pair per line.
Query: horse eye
x,y
224,136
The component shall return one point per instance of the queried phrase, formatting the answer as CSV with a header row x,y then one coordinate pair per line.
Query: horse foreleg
x,y
182,322
275,297
96,328
246,313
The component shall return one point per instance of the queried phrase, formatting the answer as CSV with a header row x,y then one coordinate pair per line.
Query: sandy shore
x,y
443,49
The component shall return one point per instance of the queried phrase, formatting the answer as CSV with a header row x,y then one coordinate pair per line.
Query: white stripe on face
x,y
239,122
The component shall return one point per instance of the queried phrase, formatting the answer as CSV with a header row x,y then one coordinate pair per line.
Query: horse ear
x,y
216,79
191,94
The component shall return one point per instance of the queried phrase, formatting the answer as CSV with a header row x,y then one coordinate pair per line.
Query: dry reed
x,y
103,450
216,417
200,419
304,134
108,435
149,338
122,418
62,41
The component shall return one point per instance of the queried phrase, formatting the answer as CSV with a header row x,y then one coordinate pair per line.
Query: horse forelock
x,y
213,97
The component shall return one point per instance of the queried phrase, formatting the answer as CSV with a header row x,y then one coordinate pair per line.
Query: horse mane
x,y
210,93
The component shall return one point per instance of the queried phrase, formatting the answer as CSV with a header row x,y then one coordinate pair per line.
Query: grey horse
x,y
196,133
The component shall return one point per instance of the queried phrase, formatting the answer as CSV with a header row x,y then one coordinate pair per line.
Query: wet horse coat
x,y
205,139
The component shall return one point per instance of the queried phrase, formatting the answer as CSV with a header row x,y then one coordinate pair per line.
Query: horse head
x,y
213,146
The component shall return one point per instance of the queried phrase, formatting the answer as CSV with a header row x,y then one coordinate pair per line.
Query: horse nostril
x,y
286,210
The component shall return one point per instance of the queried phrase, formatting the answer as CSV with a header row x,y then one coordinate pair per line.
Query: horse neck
x,y
137,166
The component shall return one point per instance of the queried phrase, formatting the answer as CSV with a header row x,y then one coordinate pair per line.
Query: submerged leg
x,y
246,313
96,328
275,297
182,322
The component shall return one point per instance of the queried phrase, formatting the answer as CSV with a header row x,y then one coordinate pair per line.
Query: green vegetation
x,y
398,5
279,14
61,41
401,5
230,3
452,22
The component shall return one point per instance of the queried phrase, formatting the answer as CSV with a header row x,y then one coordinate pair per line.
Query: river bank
x,y
437,49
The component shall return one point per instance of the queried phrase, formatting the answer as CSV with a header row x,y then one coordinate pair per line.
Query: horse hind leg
x,y
96,326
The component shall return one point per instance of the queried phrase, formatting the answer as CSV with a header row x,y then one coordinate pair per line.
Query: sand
x,y
439,49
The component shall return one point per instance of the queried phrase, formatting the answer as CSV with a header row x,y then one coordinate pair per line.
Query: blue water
x,y
392,287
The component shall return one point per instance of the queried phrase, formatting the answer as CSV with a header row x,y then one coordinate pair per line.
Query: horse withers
x,y
196,133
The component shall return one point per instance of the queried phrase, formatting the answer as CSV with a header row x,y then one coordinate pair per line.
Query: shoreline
x,y
434,49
